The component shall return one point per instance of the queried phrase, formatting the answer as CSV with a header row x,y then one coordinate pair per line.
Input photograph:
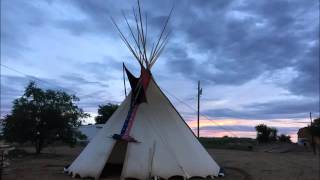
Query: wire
x,y
47,82
201,114
230,130
35,78
93,95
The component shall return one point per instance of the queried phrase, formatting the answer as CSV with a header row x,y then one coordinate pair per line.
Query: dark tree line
x,y
267,134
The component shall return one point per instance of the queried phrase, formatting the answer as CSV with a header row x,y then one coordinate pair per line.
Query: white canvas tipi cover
x,y
154,140
166,146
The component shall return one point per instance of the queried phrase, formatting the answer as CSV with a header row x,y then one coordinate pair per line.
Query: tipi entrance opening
x,y
114,165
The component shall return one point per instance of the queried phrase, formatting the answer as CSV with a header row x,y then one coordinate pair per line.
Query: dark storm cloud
x,y
285,130
96,17
17,17
76,27
239,42
307,81
102,71
244,41
77,79
7,95
286,107
180,62
270,110
12,87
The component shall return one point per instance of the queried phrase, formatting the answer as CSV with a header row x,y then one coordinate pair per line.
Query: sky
x,y
258,61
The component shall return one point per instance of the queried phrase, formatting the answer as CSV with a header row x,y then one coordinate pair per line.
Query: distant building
x,y
304,136
90,130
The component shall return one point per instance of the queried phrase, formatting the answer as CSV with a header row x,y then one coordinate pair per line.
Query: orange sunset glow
x,y
229,127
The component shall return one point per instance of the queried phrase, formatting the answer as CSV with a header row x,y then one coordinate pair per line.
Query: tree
x,y
105,112
263,133
315,127
42,117
273,134
266,134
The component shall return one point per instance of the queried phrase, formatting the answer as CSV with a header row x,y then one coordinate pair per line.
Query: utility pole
x,y
312,140
199,94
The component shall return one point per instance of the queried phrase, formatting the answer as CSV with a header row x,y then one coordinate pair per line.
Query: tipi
x,y
146,135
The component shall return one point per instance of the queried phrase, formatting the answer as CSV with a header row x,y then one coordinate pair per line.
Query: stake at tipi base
x,y
146,135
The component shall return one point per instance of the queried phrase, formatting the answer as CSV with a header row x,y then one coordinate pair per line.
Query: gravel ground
x,y
239,165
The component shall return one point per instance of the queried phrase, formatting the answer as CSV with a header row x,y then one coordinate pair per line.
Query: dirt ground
x,y
239,165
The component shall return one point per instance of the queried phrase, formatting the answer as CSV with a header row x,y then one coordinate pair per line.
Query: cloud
x,y
7,95
242,128
225,44
270,110
12,87
78,80
95,17
308,79
241,40
14,15
102,70
76,27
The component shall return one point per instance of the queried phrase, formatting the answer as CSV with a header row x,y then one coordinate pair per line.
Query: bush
x,y
284,138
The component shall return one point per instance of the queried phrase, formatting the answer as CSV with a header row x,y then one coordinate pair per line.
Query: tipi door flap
x,y
136,163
